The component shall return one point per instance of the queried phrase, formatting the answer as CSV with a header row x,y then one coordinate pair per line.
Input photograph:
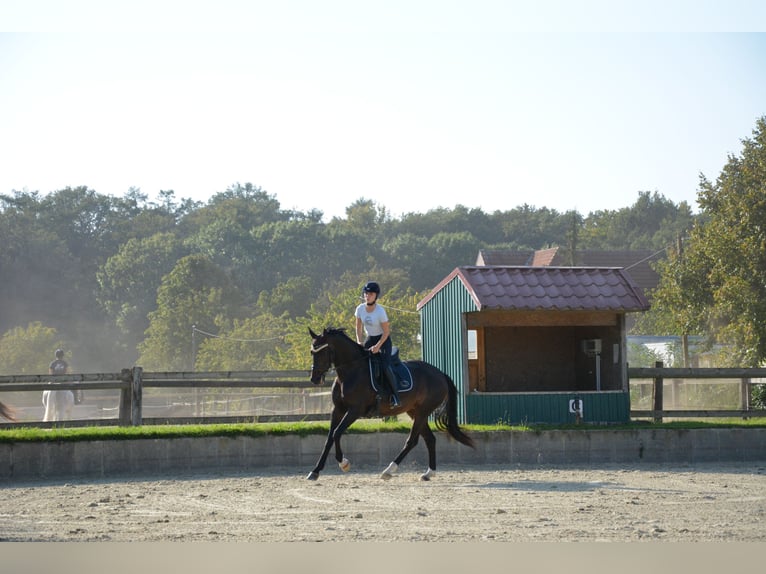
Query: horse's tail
x,y
7,412
447,418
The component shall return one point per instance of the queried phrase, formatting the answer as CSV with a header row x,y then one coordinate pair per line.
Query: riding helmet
x,y
372,287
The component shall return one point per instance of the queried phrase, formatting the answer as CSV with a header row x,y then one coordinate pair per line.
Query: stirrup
x,y
395,402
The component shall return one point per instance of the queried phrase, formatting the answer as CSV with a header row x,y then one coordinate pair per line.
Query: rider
x,y
372,320
60,367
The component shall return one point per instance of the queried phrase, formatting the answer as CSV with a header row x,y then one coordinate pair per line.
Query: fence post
x,y
658,381
123,417
744,394
136,393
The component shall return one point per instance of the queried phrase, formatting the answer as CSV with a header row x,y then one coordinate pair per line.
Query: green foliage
x,y
653,222
716,285
641,356
129,281
265,269
252,344
758,397
197,292
28,350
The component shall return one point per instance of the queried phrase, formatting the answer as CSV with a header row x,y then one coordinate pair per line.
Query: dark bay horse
x,y
354,397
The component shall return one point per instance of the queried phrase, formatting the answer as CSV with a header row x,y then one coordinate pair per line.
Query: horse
x,y
7,412
354,396
58,405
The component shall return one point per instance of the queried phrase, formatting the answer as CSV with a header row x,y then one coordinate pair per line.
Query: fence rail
x,y
132,382
659,374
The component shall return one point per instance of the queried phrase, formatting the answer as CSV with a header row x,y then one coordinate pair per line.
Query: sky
x,y
414,105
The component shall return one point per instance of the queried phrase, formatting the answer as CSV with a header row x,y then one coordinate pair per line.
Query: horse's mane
x,y
340,332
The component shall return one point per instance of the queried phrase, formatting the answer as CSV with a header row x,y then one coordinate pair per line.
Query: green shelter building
x,y
528,344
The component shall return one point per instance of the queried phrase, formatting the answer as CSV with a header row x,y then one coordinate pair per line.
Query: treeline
x,y
233,283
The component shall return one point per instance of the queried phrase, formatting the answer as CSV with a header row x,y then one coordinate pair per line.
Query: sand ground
x,y
693,503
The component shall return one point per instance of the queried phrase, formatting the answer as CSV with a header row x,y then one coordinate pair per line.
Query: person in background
x,y
60,367
373,332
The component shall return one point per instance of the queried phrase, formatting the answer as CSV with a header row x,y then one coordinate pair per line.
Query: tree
x,y
652,222
195,293
28,350
250,345
717,283
129,280
291,297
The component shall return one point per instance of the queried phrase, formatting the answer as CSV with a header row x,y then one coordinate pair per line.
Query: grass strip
x,y
149,432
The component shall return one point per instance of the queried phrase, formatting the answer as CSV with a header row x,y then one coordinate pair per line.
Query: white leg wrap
x,y
390,470
427,475
345,465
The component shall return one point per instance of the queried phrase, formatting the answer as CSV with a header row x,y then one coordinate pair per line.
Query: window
x,y
472,352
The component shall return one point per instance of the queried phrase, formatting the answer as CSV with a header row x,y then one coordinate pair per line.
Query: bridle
x,y
320,375
318,348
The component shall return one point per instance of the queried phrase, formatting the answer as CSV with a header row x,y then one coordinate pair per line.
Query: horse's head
x,y
332,347
321,353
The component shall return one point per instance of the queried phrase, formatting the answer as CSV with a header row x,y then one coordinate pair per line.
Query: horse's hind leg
x,y
412,441
430,440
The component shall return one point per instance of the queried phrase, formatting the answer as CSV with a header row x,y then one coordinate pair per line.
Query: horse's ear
x,y
313,335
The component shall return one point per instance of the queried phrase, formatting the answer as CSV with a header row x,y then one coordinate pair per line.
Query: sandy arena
x,y
706,502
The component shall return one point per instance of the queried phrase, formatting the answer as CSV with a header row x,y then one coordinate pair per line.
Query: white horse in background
x,y
58,405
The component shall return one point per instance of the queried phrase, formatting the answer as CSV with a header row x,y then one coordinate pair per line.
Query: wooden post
x,y
123,417
658,381
136,393
744,394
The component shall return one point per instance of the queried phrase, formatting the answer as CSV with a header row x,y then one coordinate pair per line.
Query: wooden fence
x,y
660,375
132,382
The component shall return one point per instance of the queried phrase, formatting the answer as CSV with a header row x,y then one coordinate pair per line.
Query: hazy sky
x,y
415,105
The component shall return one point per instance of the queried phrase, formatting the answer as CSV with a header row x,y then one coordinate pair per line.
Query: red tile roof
x,y
548,288
637,262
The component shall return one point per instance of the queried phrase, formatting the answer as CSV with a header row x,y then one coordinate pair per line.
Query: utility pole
x,y
684,336
194,347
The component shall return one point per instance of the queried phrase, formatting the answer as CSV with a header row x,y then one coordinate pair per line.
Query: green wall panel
x,y
546,408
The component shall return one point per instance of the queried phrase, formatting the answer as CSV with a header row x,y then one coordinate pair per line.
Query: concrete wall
x,y
123,458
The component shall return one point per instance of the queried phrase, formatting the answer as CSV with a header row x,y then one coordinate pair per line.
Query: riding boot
x,y
391,379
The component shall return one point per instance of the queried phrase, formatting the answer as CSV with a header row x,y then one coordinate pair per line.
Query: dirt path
x,y
711,502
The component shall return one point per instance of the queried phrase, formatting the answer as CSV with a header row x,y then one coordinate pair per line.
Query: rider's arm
x,y
359,331
386,331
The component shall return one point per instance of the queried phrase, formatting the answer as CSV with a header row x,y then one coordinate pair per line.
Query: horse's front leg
x,y
335,419
346,422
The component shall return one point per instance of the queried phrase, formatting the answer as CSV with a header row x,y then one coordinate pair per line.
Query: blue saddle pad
x,y
402,374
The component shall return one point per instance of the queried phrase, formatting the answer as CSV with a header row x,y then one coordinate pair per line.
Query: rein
x,y
322,347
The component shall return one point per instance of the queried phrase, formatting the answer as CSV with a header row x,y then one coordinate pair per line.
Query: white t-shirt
x,y
372,320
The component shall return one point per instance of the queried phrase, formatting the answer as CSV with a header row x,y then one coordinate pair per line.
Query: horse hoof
x,y
427,474
312,475
390,470
345,465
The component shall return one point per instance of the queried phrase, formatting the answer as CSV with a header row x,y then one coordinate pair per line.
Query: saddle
x,y
402,374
